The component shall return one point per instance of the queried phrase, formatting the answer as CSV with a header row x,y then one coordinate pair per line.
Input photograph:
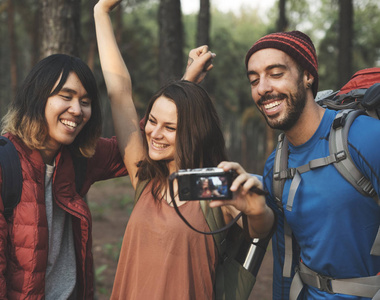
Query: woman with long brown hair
x,y
161,258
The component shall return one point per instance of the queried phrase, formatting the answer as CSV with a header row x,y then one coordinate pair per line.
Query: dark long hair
x,y
199,138
26,115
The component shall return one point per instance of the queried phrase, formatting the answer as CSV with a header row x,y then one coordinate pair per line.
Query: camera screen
x,y
204,184
213,187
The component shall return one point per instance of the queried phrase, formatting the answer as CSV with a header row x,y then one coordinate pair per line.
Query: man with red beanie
x,y
325,228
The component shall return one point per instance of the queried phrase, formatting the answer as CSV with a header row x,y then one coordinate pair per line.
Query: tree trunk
x,y
13,48
90,28
35,38
345,41
171,40
203,30
60,27
282,22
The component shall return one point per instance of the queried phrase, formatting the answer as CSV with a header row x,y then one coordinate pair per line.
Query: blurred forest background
x,y
155,38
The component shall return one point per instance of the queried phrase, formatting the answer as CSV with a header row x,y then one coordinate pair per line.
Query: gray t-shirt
x,y
60,280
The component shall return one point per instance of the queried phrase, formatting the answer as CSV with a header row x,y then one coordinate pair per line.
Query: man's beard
x,y
295,103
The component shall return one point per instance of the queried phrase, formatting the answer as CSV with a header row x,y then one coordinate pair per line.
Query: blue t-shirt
x,y
334,225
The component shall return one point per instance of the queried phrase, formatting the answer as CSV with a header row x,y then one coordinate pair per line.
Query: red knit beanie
x,y
294,43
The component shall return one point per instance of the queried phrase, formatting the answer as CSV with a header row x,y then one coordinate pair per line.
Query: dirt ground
x,y
111,203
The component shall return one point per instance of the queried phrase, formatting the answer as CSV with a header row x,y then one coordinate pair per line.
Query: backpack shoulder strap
x,y
80,169
141,184
215,220
281,172
280,169
338,144
11,174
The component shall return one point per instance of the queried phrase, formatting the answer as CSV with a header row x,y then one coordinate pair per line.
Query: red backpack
x,y
362,79
362,91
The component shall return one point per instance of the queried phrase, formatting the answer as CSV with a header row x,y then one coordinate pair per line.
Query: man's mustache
x,y
268,97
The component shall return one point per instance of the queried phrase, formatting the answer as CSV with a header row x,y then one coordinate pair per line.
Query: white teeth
x,y
69,123
272,104
157,145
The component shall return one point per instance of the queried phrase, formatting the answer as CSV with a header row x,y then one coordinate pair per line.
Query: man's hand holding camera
x,y
249,199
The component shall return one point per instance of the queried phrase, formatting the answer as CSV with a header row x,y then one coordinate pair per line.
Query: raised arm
x,y
119,88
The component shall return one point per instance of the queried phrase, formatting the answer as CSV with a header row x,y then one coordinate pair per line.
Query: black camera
x,y
204,184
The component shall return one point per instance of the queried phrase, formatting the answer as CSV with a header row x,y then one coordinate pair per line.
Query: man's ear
x,y
308,79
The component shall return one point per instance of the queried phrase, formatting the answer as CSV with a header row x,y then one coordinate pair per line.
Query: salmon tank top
x,y
161,257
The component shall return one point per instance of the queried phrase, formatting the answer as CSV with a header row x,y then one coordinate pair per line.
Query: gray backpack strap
x,y
280,169
280,174
338,144
313,164
375,250
339,156
288,256
347,168
368,287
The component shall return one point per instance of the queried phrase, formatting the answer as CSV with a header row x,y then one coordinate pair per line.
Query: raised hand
x,y
198,64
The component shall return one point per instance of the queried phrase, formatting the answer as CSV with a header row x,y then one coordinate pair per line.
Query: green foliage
x,y
112,250
122,201
140,51
24,22
98,273
230,37
320,21
98,211
99,278
367,31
